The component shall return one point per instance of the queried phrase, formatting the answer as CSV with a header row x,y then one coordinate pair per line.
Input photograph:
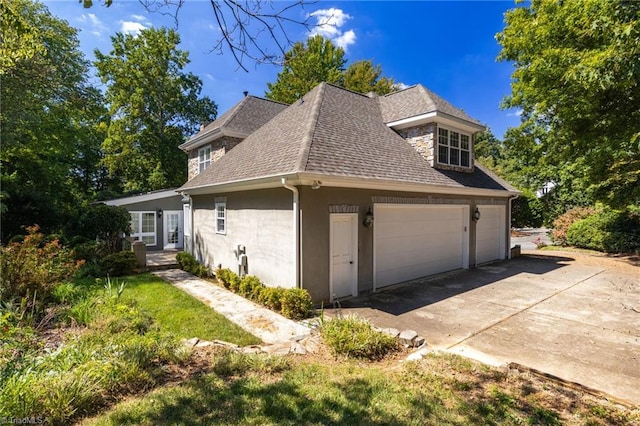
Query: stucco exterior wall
x,y
260,220
316,205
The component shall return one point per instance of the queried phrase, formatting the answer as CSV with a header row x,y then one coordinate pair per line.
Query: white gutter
x,y
296,229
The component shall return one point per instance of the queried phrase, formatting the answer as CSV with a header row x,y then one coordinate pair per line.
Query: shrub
x,y
296,303
356,338
104,224
118,264
188,263
526,211
271,297
563,222
608,230
32,269
250,287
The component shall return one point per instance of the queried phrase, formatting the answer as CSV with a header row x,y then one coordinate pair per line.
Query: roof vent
x,y
246,93
372,94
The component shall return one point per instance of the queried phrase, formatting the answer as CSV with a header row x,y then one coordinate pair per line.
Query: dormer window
x,y
454,148
204,158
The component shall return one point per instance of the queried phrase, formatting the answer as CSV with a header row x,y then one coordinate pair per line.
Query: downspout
x,y
296,228
191,237
509,226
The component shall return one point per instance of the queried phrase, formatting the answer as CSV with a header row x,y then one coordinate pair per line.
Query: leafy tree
x,y
577,80
154,106
364,77
305,66
319,60
49,118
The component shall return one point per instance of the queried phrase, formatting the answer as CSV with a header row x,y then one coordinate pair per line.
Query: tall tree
x,y
577,80
305,66
154,106
319,60
363,77
48,111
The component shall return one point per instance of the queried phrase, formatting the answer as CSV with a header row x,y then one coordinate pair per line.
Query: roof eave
x,y
436,117
210,136
309,179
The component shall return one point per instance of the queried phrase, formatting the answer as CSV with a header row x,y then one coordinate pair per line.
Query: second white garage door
x,y
417,240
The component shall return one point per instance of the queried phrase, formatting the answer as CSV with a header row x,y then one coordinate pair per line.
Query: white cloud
x,y
130,27
329,24
137,24
92,23
516,113
402,86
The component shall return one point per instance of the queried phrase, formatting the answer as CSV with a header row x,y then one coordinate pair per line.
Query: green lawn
x,y
181,314
440,390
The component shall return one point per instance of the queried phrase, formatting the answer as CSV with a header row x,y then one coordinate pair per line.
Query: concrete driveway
x,y
573,316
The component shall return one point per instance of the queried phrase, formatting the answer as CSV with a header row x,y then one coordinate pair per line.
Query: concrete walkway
x,y
267,325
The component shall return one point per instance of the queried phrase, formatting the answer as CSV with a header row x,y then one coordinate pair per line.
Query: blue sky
x,y
447,46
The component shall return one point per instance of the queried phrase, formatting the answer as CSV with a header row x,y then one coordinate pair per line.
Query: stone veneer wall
x,y
219,147
422,139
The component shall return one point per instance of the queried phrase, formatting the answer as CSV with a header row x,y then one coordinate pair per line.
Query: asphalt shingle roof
x,y
417,100
246,116
335,132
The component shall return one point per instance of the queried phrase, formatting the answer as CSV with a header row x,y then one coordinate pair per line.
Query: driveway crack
x,y
482,330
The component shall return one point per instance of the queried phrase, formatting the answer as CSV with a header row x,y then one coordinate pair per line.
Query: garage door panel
x,y
414,241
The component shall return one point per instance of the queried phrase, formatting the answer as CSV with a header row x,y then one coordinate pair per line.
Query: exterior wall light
x,y
316,184
476,215
368,219
159,213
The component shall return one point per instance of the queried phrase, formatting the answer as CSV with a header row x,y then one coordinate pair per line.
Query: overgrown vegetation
x,y
355,337
606,230
293,303
31,270
121,351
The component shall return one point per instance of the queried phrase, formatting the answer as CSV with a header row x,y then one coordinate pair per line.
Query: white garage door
x,y
490,237
413,241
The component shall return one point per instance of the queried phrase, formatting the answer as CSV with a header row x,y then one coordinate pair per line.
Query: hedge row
x,y
293,303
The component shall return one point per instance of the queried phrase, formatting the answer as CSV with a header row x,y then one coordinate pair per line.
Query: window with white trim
x,y
454,148
204,158
143,227
221,217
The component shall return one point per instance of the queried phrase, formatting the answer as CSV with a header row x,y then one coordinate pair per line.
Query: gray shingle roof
x,y
245,117
417,100
335,132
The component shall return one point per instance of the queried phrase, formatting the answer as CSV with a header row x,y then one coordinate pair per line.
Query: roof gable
x,y
415,101
241,120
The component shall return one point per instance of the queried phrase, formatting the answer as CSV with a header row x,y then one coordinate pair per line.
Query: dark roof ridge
x,y
400,90
305,147
364,95
262,98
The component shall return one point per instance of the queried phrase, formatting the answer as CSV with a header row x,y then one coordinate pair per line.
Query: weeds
x,y
356,338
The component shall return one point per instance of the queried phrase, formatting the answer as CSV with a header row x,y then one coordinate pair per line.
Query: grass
x,y
441,389
181,314
356,338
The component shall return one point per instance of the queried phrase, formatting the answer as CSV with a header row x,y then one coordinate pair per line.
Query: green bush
x,y
356,338
250,287
118,264
526,211
607,230
188,263
32,269
296,303
563,222
104,224
271,297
